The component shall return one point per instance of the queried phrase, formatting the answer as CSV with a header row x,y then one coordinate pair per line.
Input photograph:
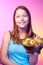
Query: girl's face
x,y
21,18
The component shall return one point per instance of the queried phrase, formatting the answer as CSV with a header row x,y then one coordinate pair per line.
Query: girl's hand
x,y
37,49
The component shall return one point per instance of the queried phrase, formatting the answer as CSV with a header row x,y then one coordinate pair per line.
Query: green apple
x,y
26,41
38,40
32,42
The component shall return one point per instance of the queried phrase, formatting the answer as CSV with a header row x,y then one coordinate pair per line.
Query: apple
x,y
32,42
26,41
38,40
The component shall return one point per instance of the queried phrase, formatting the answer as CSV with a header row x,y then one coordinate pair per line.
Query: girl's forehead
x,y
20,11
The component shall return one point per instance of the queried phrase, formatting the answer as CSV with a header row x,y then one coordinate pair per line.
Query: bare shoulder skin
x,y
4,50
5,43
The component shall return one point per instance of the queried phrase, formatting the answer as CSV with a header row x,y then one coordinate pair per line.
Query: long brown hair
x,y
14,34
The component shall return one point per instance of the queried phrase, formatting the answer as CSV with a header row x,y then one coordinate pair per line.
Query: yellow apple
x,y
38,40
26,41
32,42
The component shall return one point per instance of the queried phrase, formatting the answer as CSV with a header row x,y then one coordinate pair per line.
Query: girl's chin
x,y
22,27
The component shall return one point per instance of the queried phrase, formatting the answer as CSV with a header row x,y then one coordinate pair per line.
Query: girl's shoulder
x,y
34,35
6,35
6,39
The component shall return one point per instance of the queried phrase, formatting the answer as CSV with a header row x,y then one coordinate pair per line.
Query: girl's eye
x,y
21,16
17,16
24,15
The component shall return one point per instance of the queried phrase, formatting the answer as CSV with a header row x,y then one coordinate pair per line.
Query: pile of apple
x,y
32,42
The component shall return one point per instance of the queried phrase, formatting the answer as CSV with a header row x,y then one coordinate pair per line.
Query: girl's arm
x,y
4,50
33,59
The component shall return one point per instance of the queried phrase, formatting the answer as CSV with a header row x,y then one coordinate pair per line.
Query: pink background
x,y
35,7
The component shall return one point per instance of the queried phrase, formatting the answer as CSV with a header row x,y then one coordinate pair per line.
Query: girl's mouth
x,y
21,22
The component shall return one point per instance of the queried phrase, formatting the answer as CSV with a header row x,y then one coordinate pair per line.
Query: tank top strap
x,y
10,34
33,35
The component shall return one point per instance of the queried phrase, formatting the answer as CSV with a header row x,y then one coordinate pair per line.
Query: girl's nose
x,y
22,18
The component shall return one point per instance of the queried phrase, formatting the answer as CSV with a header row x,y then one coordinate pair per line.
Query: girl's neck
x,y
22,33
22,30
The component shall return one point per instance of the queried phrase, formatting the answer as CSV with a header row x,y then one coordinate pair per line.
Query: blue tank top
x,y
17,54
